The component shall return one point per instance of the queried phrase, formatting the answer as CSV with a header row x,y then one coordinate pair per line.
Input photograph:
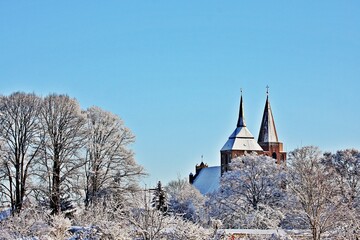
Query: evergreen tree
x,y
159,200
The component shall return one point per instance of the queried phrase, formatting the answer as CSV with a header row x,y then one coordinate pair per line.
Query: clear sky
x,y
172,70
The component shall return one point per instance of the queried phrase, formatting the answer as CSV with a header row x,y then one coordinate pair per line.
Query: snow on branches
x,y
251,194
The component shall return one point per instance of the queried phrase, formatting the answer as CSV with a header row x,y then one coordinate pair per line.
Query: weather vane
x,y
267,90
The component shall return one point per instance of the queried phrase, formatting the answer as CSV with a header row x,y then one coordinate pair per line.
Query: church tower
x,y
268,138
241,141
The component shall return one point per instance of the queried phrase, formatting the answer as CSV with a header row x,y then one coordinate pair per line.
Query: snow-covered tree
x,y
150,223
185,200
316,194
346,164
103,221
159,200
251,193
19,137
34,222
135,220
146,220
255,179
63,125
179,228
110,164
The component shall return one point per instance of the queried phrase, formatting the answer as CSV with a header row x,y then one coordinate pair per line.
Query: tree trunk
x,y
55,191
315,233
18,202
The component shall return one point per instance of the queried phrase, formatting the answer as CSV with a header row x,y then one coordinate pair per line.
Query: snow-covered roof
x,y
279,232
208,180
268,130
241,139
241,132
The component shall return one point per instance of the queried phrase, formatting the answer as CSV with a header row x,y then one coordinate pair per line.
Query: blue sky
x,y
172,70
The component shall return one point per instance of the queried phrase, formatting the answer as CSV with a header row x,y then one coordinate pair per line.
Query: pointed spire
x,y
241,120
267,130
241,139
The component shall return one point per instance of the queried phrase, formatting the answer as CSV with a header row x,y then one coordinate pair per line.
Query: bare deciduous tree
x,y
110,164
64,134
316,193
19,135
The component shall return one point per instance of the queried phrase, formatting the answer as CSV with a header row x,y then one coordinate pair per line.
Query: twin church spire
x,y
241,141
267,129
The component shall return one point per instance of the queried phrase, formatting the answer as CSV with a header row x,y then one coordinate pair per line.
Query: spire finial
x,y
267,90
241,91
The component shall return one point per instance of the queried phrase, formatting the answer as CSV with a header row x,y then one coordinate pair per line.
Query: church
x,y
207,179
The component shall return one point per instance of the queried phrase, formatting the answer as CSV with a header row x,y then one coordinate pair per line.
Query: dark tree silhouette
x,y
159,200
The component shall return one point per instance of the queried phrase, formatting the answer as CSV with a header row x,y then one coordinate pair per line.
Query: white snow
x,y
208,180
241,132
241,139
270,232
254,231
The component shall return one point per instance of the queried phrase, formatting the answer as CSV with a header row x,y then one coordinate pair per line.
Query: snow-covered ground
x,y
4,214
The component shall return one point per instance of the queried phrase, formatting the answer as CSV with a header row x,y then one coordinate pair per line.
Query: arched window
x,y
274,155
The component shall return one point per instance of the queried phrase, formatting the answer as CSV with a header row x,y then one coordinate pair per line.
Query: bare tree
x,y
64,135
110,164
19,135
315,191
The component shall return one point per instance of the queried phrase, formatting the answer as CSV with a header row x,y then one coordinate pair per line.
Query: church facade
x,y
241,142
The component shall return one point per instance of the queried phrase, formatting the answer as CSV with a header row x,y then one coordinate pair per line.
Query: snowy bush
x,y
180,229
102,221
60,227
185,200
31,222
